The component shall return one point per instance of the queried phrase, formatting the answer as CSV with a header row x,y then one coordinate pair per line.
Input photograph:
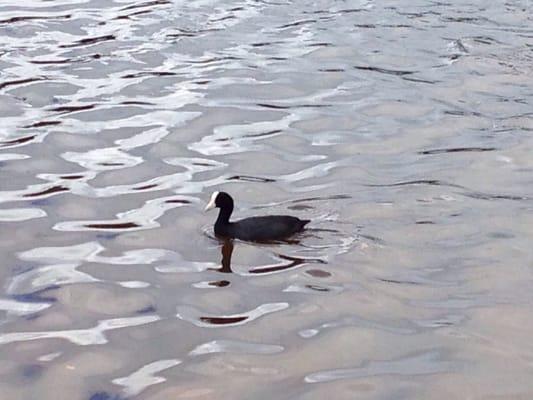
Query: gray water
x,y
402,129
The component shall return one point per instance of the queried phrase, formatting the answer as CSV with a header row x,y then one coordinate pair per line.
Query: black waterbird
x,y
257,229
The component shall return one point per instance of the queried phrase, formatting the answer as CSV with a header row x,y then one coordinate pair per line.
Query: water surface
x,y
402,130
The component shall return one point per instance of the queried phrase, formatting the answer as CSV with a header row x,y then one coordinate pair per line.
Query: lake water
x,y
403,129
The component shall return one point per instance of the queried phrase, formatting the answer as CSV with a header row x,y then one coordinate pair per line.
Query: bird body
x,y
270,227
264,228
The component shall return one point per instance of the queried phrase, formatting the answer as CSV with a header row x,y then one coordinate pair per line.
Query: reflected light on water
x,y
81,337
401,129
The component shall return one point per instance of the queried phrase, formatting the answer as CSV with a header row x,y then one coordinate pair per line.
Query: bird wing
x,y
268,227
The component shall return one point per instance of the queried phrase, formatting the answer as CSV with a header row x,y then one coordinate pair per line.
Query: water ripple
x,y
81,337
197,318
426,363
138,219
145,377
234,346
230,139
21,214
22,308
396,128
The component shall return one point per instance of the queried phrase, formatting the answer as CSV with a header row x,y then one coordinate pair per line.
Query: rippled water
x,y
403,130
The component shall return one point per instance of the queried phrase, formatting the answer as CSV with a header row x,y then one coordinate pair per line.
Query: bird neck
x,y
223,215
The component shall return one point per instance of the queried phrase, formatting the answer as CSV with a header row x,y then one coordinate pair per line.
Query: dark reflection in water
x,y
250,178
318,273
146,4
148,73
52,190
72,177
145,187
226,251
293,262
150,309
429,182
318,288
69,109
89,41
17,141
457,150
221,283
425,222
44,62
487,196
223,320
32,18
105,396
32,371
118,225
385,70
18,81
177,201
43,123
39,296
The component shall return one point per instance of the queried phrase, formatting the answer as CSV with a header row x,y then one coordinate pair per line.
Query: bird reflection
x,y
226,250
286,262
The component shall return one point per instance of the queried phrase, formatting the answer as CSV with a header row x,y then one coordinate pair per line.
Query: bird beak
x,y
209,205
212,202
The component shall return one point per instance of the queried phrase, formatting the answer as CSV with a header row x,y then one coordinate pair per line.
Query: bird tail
x,y
304,222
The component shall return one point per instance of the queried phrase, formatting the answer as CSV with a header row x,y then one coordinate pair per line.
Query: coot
x,y
271,227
